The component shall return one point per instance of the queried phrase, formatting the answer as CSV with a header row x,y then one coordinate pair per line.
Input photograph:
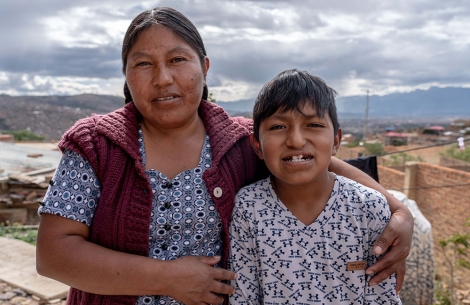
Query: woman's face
x,y
165,77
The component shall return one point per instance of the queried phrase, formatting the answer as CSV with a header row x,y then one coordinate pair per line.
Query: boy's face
x,y
297,147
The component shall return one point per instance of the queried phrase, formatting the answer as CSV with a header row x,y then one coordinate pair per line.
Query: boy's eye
x,y
316,125
274,127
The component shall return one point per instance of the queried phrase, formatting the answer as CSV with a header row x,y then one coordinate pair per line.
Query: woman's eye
x,y
143,63
178,59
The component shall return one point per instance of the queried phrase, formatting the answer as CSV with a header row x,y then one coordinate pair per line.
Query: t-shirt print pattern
x,y
279,260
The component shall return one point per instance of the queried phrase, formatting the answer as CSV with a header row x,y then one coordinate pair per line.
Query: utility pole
x,y
367,116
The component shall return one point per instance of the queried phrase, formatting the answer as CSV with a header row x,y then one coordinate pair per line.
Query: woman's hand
x,y
65,254
194,280
396,237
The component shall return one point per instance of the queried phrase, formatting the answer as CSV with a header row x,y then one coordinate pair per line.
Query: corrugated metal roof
x,y
14,158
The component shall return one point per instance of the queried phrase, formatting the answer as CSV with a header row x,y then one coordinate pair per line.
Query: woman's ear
x,y
337,142
256,146
207,64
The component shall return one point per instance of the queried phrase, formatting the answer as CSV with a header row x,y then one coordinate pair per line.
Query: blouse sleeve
x,y
74,190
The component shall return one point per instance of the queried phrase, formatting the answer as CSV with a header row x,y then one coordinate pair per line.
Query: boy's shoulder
x,y
353,188
259,190
260,185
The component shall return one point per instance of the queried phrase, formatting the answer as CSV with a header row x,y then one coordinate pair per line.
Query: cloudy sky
x,y
73,47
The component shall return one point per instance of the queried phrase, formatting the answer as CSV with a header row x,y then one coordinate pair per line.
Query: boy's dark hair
x,y
291,90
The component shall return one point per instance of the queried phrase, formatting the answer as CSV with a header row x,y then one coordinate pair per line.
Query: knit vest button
x,y
167,205
168,185
218,192
167,227
164,247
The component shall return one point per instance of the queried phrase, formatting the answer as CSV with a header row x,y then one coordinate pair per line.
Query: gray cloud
x,y
354,45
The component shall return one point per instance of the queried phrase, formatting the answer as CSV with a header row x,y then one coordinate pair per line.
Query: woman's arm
x,y
65,254
397,235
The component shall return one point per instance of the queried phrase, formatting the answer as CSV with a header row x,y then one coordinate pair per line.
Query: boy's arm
x,y
242,260
398,233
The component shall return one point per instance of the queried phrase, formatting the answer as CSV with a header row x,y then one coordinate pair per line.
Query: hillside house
x,y
396,138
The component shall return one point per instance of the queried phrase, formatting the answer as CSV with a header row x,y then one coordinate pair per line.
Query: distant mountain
x,y
435,102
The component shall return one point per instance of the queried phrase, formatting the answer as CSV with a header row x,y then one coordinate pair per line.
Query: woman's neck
x,y
173,150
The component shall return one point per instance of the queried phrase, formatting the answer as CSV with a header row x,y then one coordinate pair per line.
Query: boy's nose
x,y
295,138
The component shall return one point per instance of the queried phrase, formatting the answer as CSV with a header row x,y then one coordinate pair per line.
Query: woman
x,y
165,169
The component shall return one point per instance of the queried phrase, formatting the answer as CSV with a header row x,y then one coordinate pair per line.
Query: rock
x,y
19,301
19,292
7,295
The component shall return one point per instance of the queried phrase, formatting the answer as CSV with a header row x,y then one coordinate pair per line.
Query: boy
x,y
304,235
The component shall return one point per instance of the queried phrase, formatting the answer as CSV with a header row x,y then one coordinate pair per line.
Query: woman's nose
x,y
295,138
162,75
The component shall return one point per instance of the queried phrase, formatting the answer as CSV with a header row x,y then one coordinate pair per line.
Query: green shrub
x,y
374,149
24,135
455,152
17,231
401,158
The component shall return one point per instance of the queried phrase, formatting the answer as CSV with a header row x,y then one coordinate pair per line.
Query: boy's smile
x,y
297,146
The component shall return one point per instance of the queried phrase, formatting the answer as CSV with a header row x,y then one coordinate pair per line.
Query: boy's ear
x,y
256,146
337,142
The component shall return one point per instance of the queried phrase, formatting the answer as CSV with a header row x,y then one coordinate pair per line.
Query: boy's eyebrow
x,y
282,116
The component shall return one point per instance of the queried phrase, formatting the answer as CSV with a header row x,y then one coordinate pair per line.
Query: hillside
x,y
51,116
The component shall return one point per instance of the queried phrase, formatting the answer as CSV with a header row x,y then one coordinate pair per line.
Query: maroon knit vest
x,y
122,220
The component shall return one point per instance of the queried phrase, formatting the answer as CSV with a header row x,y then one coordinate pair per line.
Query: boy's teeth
x,y
297,158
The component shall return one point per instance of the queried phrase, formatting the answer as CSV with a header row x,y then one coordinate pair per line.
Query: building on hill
x,y
460,126
433,134
396,138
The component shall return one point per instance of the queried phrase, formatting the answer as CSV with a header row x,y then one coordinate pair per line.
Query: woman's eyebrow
x,y
173,50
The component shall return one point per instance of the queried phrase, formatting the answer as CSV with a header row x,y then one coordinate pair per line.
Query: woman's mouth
x,y
164,98
298,158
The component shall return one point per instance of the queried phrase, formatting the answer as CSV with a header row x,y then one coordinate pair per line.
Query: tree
x,y
211,98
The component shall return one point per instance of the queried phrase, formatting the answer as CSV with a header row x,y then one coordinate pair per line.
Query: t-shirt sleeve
x,y
74,190
378,216
243,257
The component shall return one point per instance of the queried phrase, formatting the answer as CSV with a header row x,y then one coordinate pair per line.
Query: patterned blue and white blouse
x,y
184,220
280,260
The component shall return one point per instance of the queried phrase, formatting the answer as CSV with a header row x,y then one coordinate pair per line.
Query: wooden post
x,y
410,179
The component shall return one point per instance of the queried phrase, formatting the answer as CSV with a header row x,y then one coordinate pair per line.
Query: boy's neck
x,y
305,202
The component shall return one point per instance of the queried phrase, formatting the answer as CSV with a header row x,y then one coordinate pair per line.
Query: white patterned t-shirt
x,y
279,260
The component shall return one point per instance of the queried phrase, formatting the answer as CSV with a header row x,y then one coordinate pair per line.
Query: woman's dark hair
x,y
171,19
291,90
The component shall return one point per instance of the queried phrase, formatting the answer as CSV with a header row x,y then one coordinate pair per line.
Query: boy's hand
x,y
398,236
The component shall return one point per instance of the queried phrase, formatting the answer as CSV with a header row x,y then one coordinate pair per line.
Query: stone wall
x,y
443,196
391,179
